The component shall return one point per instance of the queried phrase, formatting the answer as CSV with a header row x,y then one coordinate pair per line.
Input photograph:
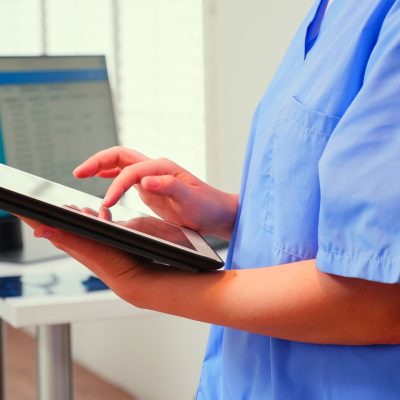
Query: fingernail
x,y
76,172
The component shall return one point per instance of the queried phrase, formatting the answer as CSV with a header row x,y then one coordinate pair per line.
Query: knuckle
x,y
129,170
59,246
164,160
59,242
104,151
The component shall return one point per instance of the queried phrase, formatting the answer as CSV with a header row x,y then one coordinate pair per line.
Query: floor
x,y
20,374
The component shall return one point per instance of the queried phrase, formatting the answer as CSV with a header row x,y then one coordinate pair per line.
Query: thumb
x,y
166,185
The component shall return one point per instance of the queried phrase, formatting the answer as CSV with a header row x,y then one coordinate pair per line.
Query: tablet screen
x,y
76,201
139,223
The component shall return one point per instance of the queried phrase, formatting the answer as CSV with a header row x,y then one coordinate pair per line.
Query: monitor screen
x,y
54,113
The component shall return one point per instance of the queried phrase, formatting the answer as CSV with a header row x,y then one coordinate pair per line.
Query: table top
x,y
40,308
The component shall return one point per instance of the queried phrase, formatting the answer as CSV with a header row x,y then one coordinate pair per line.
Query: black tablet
x,y
62,207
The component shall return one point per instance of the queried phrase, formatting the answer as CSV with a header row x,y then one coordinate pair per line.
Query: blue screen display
x,y
51,76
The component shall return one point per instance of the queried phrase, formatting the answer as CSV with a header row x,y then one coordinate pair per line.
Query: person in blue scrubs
x,y
308,307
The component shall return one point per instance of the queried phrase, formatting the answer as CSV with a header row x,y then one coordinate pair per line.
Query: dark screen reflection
x,y
144,224
154,227
59,283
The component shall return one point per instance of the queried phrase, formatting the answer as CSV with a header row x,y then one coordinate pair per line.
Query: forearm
x,y
295,302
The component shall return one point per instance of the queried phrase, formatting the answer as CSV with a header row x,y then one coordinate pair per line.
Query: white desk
x,y
52,316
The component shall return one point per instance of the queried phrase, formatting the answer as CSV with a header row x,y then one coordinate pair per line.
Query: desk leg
x,y
54,362
2,360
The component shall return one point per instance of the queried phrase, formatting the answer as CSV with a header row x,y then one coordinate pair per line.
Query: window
x,y
154,51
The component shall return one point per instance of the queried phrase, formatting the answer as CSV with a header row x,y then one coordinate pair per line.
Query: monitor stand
x,y
18,245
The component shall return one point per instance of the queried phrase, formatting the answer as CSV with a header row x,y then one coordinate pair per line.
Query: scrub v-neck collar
x,y
313,25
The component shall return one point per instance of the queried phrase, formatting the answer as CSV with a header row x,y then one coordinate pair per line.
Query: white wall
x,y
159,357
245,41
152,357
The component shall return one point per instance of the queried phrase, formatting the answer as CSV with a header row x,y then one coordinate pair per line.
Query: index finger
x,y
133,174
109,159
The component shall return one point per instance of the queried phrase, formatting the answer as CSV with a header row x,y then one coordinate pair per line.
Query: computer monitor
x,y
55,111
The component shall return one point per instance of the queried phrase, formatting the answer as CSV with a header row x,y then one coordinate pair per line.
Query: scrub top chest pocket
x,y
292,205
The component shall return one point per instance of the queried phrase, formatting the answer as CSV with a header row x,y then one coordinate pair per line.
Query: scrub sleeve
x,y
359,221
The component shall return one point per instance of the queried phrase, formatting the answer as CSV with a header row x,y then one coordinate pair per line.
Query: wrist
x,y
226,221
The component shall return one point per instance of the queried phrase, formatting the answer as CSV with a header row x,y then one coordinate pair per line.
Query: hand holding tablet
x,y
172,192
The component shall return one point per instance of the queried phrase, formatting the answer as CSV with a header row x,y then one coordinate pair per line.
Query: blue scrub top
x,y
320,180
